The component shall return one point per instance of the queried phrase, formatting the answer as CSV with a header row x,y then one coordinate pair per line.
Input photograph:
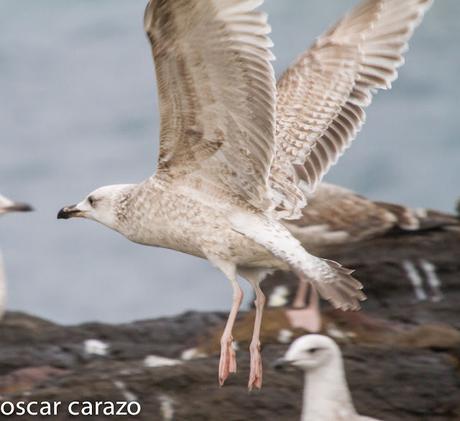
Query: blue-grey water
x,y
78,110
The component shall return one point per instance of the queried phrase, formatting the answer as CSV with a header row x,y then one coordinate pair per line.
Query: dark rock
x,y
399,380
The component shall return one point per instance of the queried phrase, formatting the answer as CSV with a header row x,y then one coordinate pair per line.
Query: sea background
x,y
78,110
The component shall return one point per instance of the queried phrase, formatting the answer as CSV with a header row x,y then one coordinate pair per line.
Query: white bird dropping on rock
x,y
96,347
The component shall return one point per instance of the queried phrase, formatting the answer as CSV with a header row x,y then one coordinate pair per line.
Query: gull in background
x,y
326,396
238,154
7,206
336,216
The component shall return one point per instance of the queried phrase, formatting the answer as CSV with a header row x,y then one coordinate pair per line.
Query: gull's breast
x,y
175,221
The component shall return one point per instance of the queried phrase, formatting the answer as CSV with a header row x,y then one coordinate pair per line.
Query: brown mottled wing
x,y
322,97
216,93
336,216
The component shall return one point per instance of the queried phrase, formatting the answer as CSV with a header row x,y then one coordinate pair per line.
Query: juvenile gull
x,y
237,154
326,396
7,206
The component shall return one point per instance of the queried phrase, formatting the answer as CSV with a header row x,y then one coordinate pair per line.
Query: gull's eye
x,y
91,201
313,350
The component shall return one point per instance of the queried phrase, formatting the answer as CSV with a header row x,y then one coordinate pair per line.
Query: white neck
x,y
326,395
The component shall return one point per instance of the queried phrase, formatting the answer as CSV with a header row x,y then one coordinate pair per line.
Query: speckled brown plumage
x,y
336,215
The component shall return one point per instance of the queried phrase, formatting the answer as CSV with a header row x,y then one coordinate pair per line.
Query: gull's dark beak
x,y
280,364
19,207
69,212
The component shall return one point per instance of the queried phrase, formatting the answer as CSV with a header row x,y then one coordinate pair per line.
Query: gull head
x,y
309,352
102,205
8,206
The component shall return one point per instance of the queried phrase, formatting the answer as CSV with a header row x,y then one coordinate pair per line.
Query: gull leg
x,y
227,362
255,377
300,300
305,316
255,277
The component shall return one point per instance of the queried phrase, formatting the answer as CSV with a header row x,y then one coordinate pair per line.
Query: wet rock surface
x,y
402,353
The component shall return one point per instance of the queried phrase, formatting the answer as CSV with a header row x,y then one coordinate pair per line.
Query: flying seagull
x,y
8,206
238,154
326,396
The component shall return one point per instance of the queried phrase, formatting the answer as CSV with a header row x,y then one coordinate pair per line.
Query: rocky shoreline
x,y
402,352
394,372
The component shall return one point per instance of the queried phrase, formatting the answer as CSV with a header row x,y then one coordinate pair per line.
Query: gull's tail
x,y
332,281
337,286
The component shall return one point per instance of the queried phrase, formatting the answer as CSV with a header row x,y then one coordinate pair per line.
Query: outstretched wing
x,y
322,97
216,92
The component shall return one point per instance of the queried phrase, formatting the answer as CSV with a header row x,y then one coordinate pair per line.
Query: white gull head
x,y
312,351
8,206
102,205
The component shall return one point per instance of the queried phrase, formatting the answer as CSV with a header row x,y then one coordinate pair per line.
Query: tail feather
x,y
332,281
340,288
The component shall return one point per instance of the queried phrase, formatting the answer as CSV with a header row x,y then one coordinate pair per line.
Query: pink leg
x,y
227,363
255,377
300,300
302,317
